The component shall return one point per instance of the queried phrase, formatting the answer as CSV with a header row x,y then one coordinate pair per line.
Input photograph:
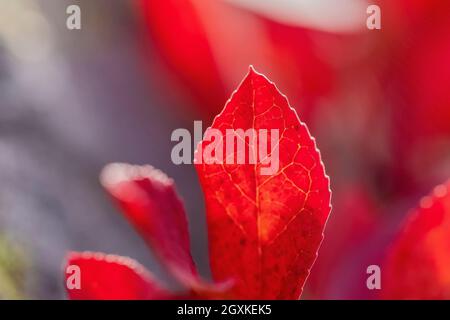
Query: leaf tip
x,y
252,73
251,69
115,173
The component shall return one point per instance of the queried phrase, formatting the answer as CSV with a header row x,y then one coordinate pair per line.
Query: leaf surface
x,y
108,277
264,230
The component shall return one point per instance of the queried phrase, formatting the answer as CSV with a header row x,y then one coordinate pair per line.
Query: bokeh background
x,y
71,101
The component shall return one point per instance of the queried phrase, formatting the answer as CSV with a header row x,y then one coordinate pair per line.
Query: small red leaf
x,y
107,277
264,230
417,266
149,201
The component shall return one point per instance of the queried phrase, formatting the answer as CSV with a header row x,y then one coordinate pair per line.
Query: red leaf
x,y
264,230
417,266
206,43
177,31
149,201
106,277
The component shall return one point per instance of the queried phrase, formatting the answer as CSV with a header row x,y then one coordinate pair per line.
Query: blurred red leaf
x,y
178,34
417,266
148,199
265,231
353,221
206,44
106,277
413,58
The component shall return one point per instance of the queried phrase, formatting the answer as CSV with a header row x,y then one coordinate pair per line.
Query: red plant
x,y
417,265
264,230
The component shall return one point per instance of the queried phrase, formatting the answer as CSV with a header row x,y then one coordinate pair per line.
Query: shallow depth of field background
x,y
377,101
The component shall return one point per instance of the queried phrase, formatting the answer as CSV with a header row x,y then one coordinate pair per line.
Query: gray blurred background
x,y
70,102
